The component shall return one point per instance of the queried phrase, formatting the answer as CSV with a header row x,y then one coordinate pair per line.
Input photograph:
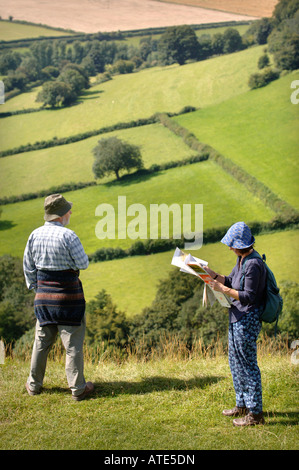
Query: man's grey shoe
x,y
31,392
89,388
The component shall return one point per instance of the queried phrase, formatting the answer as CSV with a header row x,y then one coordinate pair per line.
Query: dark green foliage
x,y
56,93
232,41
285,9
263,61
260,30
160,319
287,57
113,155
15,80
9,61
123,66
178,44
104,323
207,323
283,41
258,80
289,320
75,76
16,302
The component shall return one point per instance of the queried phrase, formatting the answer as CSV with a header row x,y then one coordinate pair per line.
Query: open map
x,y
195,266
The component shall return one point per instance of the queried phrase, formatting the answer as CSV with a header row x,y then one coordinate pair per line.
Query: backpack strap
x,y
252,255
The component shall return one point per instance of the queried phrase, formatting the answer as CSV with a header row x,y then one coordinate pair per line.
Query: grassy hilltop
x,y
171,401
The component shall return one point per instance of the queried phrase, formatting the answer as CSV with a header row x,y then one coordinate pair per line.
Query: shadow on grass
x,y
139,176
6,224
146,385
152,384
89,95
157,384
288,418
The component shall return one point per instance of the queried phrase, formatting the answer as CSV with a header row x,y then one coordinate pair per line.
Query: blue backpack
x,y
273,302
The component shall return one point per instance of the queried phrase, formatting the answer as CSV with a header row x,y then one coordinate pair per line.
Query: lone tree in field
x,y
113,155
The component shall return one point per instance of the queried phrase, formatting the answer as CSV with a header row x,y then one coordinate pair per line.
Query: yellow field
x,y
250,7
91,16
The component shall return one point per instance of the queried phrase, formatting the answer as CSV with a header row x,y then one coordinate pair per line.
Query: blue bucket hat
x,y
238,236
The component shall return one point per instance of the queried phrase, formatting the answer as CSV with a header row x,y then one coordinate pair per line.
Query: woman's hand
x,y
217,286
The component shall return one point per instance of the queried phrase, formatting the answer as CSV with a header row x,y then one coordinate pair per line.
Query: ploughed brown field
x,y
91,16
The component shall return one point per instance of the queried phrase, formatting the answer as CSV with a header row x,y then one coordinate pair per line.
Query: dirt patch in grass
x,y
91,16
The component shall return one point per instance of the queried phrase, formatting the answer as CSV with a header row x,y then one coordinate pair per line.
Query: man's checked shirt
x,y
52,247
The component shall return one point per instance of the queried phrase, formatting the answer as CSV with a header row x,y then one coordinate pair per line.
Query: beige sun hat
x,y
56,206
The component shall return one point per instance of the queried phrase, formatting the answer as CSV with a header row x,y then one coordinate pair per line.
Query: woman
x,y
244,323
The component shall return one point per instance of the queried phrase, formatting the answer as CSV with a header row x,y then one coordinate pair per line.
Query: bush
x,y
263,61
122,67
56,94
16,302
258,80
104,323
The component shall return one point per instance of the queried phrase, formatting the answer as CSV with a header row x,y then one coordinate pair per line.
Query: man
x,y
52,259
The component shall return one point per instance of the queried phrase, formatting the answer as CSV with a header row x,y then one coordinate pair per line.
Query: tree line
x,y
281,35
64,69
49,62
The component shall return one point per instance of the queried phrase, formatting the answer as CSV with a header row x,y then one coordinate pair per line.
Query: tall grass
x,y
171,347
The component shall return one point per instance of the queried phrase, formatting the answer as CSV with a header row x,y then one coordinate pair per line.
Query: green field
x,y
134,96
255,129
261,134
10,31
172,398
168,187
73,162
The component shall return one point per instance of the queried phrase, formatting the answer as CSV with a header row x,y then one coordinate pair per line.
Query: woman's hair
x,y
242,251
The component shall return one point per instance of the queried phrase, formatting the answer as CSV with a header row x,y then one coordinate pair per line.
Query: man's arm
x,y
78,254
29,268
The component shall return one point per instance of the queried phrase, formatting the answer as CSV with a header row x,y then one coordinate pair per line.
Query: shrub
x,y
258,80
263,61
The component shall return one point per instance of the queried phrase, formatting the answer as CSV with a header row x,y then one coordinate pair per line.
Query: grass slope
x,y
260,135
137,95
168,187
165,403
